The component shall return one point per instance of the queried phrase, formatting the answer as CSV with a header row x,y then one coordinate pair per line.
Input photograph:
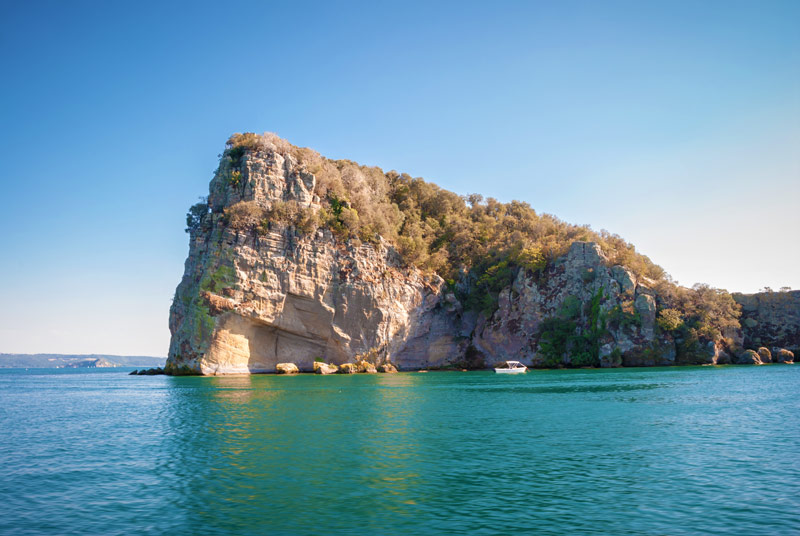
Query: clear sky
x,y
674,124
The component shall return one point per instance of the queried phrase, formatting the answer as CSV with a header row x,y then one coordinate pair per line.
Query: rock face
x,y
249,300
770,318
627,306
253,297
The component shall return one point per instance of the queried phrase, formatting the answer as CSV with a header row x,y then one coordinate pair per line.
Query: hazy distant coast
x,y
78,361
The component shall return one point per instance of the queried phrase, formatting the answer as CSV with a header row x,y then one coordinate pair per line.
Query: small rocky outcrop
x,y
286,368
748,357
387,368
348,368
764,355
365,367
784,356
148,372
324,368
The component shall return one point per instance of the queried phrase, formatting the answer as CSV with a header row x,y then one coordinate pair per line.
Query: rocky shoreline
x,y
749,357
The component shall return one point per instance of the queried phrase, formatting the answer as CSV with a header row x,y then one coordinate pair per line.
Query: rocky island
x,y
316,264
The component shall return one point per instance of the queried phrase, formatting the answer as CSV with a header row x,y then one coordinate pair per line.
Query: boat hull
x,y
510,370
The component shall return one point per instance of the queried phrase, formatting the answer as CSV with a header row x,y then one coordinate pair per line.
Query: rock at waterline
x,y
749,357
784,356
348,368
365,367
286,368
324,368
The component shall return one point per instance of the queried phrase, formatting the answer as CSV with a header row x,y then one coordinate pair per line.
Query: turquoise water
x,y
636,451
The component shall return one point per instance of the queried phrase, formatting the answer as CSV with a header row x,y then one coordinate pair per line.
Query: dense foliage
x,y
574,333
696,314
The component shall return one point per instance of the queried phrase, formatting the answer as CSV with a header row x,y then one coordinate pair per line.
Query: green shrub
x,y
624,315
194,218
531,258
554,335
669,319
483,294
570,308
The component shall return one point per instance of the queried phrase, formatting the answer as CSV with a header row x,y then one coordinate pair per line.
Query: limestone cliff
x,y
251,298
259,290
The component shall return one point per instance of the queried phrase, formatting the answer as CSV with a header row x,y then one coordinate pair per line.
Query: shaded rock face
x,y
513,331
249,300
770,319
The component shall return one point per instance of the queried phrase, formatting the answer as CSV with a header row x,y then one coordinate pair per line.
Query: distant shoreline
x,y
59,361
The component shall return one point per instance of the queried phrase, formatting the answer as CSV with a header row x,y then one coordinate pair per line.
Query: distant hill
x,y
78,361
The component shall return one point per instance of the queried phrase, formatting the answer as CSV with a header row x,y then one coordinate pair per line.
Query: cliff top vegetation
x,y
433,229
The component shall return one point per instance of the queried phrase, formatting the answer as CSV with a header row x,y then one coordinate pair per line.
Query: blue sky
x,y
674,124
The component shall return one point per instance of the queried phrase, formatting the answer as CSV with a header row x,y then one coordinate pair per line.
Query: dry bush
x,y
244,215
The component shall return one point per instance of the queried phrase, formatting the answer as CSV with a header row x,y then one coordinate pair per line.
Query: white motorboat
x,y
510,367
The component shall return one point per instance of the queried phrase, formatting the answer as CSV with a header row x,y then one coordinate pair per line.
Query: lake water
x,y
694,450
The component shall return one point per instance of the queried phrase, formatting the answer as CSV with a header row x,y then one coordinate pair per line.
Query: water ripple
x,y
657,451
